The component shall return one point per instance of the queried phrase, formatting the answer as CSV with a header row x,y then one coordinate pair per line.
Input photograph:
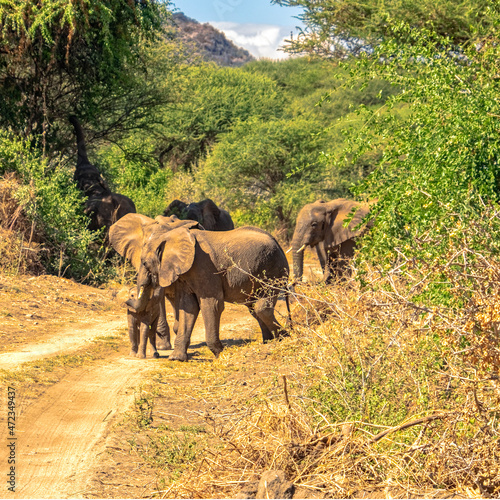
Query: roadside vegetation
x,y
392,375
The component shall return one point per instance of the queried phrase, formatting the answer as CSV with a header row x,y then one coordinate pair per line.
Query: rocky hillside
x,y
210,43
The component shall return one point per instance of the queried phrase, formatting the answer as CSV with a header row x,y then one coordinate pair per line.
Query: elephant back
x,y
245,251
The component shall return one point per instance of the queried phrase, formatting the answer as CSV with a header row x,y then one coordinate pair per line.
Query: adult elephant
x,y
128,238
103,207
206,212
202,270
321,225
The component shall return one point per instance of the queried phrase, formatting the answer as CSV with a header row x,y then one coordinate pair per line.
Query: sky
x,y
255,25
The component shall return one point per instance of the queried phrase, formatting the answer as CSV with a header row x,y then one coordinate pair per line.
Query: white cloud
x,y
261,40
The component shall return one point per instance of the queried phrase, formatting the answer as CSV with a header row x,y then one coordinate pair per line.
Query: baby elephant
x,y
144,325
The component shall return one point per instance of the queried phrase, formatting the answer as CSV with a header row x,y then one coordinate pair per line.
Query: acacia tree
x,y
265,169
58,56
336,28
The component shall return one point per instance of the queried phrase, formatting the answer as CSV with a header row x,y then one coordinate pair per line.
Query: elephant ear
x,y
347,209
177,256
127,236
173,222
176,207
211,213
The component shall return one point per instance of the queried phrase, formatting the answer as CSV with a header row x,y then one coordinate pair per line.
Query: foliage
x,y
209,101
442,166
335,28
269,168
206,101
60,55
221,111
212,110
135,173
54,205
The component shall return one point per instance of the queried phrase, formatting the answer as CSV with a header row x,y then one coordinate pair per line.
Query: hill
x,y
209,43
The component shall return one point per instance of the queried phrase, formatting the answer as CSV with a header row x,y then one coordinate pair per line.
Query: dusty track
x,y
61,435
65,341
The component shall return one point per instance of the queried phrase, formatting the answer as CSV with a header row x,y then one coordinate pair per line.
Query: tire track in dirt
x,y
61,435
63,342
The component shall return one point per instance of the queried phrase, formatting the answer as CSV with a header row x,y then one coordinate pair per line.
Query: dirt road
x,y
58,439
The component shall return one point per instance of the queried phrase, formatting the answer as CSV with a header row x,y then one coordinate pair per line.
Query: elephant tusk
x,y
301,248
141,291
289,250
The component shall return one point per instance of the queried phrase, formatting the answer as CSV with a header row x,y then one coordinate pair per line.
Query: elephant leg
x,y
324,260
263,311
338,258
175,327
153,331
188,310
266,333
163,331
144,336
332,268
346,253
133,332
211,310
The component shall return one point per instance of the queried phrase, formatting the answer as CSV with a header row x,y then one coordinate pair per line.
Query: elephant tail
x,y
80,140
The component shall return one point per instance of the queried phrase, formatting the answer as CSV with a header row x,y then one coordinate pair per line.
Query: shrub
x,y
441,167
54,206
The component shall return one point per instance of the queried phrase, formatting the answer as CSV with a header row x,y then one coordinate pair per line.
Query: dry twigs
x,y
394,394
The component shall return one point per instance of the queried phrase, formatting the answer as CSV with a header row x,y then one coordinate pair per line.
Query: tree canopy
x,y
336,28
59,56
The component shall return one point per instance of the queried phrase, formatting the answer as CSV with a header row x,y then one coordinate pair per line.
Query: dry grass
x,y
376,394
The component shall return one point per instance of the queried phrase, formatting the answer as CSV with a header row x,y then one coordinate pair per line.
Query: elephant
x,y
206,212
103,207
320,225
143,325
201,270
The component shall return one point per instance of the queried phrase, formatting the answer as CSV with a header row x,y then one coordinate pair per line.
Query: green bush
x,y
441,167
265,170
52,201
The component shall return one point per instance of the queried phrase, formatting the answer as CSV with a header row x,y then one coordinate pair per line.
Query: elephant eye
x,y
314,224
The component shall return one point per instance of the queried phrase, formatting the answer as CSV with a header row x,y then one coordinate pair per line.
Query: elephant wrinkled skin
x,y
201,270
320,225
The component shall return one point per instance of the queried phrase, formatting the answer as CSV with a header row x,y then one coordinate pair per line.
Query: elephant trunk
x,y
139,301
298,258
80,141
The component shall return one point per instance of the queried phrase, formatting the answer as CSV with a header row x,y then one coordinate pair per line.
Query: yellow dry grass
x,y
374,395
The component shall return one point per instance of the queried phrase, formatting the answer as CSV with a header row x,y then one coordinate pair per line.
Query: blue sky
x,y
256,25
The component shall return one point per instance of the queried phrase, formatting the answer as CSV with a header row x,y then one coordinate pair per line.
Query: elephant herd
x,y
193,257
